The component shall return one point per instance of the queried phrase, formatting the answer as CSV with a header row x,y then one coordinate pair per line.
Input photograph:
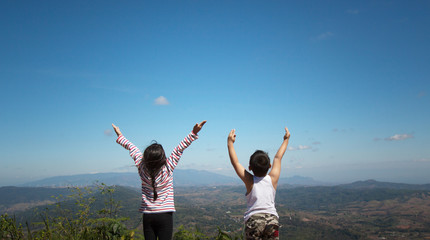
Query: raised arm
x,y
244,175
276,167
135,153
176,154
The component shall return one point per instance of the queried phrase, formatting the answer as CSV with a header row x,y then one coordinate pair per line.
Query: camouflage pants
x,y
262,226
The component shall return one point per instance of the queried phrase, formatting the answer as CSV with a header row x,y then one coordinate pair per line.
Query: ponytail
x,y
153,188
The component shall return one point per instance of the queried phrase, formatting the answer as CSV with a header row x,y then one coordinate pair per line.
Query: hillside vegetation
x,y
340,212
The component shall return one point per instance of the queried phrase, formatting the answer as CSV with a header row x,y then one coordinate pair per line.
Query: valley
x,y
364,211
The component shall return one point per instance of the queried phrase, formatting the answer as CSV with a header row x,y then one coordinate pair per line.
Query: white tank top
x,y
261,199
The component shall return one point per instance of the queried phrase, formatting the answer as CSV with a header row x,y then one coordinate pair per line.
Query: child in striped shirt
x,y
156,173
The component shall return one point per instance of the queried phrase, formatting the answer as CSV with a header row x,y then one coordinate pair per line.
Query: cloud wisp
x,y
300,147
421,94
161,100
399,137
108,132
396,137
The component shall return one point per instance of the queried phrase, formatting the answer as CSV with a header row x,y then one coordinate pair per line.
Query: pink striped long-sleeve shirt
x,y
164,179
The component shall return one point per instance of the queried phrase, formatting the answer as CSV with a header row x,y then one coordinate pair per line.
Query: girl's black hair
x,y
153,160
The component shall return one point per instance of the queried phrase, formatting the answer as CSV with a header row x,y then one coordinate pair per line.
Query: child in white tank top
x,y
261,218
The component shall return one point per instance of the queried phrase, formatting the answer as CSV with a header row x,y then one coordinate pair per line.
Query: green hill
x,y
337,212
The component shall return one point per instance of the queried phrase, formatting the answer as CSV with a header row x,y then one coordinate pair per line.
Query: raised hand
x,y
117,131
287,134
198,127
232,136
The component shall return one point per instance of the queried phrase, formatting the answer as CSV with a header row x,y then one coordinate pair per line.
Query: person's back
x,y
261,199
156,173
261,218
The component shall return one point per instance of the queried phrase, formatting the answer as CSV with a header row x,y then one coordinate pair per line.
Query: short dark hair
x,y
259,163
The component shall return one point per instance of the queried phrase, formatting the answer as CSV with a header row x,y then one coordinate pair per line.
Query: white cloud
x,y
294,167
300,147
398,137
325,35
161,101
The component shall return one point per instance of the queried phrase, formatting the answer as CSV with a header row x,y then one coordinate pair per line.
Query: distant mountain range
x,y
301,181
190,177
372,184
182,178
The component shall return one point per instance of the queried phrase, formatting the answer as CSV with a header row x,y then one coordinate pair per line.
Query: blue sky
x,y
351,80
